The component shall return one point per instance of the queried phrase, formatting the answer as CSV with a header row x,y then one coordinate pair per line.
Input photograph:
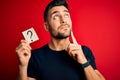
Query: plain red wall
x,y
96,23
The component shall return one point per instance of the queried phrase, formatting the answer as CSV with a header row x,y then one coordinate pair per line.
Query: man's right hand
x,y
24,53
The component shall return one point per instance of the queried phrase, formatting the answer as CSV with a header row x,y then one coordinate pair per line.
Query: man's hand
x,y
75,50
24,53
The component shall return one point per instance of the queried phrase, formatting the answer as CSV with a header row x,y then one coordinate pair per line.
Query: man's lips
x,y
64,26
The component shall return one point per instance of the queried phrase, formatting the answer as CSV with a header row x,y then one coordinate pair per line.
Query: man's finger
x,y
73,38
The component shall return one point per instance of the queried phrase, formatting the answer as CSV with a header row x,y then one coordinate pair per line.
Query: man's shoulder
x,y
87,51
84,47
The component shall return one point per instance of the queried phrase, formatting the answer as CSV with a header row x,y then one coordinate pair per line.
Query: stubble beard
x,y
60,35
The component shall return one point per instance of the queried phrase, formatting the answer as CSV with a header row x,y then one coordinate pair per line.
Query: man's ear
x,y
46,26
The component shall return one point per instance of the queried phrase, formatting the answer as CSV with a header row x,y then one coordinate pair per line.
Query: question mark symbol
x,y
31,34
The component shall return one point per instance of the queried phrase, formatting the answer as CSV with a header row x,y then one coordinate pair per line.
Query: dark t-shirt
x,y
47,64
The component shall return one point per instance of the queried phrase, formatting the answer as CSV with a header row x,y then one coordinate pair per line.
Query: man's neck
x,y
59,44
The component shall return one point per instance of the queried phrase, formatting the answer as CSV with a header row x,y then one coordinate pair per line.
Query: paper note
x,y
30,35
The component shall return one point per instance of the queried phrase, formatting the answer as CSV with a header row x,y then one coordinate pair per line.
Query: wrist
x,y
82,61
22,67
86,64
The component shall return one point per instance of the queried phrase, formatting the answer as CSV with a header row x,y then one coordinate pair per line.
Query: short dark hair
x,y
52,4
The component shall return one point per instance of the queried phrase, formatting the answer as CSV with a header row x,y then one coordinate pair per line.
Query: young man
x,y
60,59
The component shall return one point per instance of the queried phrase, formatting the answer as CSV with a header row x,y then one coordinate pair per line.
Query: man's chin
x,y
66,32
62,36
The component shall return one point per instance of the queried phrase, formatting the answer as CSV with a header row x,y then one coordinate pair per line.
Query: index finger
x,y
73,38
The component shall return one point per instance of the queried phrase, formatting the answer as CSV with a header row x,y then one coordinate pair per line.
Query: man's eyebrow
x,y
54,12
66,11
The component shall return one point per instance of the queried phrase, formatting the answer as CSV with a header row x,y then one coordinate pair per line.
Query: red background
x,y
96,23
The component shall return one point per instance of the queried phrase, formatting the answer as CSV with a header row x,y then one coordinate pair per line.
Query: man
x,y
59,59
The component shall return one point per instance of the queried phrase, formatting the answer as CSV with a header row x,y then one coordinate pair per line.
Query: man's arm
x,y
75,50
92,74
23,53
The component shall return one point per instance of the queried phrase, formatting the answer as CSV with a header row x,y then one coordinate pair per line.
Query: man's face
x,y
59,22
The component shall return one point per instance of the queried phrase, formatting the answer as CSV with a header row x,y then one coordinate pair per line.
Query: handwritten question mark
x,y
30,33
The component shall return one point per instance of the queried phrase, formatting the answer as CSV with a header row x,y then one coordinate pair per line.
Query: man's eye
x,y
66,15
56,17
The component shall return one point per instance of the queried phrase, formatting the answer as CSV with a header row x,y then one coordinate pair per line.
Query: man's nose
x,y
63,20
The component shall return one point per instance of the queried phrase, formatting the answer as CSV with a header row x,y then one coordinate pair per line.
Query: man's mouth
x,y
64,27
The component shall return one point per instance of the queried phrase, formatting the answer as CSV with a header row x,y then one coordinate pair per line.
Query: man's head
x,y
53,4
57,19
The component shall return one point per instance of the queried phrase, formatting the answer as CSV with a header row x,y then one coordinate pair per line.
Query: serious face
x,y
59,22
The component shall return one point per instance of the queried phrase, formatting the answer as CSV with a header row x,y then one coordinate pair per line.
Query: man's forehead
x,y
58,9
